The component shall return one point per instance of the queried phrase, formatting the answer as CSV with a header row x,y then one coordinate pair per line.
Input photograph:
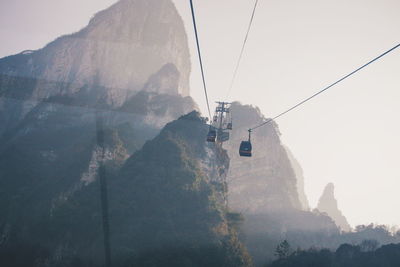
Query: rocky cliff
x,y
175,190
268,189
298,170
131,61
167,202
265,182
121,48
328,204
133,46
129,67
167,190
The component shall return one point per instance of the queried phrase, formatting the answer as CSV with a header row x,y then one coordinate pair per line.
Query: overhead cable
x,y
199,54
242,50
324,89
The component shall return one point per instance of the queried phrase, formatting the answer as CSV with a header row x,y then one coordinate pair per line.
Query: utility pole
x,y
103,188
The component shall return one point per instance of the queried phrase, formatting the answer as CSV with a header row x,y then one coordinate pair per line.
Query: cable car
x,y
245,147
212,135
223,136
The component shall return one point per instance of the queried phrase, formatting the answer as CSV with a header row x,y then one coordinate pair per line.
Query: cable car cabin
x,y
212,135
245,149
223,136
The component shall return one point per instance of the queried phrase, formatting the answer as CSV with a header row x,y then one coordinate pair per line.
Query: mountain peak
x,y
121,47
328,204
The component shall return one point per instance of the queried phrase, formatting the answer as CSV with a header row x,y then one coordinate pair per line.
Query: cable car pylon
x,y
221,123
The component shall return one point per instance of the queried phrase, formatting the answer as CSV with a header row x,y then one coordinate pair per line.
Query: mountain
x,y
120,49
175,188
50,98
133,46
167,205
300,179
268,189
92,119
83,130
328,204
265,182
365,254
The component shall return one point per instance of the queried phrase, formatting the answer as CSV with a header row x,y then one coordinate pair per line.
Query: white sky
x,y
348,136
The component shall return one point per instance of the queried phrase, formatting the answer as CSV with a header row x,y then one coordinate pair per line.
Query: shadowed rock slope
x,y
167,205
130,67
175,190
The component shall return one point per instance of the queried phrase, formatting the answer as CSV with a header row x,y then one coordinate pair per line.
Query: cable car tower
x,y
221,123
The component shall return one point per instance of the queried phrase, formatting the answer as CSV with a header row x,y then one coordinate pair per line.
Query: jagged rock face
x,y
300,180
174,191
167,199
328,204
265,182
120,49
130,67
268,189
131,47
172,176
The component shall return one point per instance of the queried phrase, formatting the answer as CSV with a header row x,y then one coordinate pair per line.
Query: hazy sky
x,y
348,136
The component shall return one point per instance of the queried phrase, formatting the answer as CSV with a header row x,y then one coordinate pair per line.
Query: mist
x,y
321,176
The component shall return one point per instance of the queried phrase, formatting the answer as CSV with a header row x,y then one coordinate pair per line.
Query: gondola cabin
x,y
245,149
212,135
223,136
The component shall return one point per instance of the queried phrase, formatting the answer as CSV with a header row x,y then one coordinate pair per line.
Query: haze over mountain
x,y
298,170
112,99
120,49
266,182
268,188
118,69
129,48
274,76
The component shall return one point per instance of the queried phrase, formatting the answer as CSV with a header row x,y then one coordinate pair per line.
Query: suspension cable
x,y
326,88
200,60
242,50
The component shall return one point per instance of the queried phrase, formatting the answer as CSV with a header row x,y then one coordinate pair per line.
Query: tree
x,y
368,245
282,250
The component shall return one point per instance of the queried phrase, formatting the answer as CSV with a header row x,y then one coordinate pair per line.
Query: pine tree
x,y
282,250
